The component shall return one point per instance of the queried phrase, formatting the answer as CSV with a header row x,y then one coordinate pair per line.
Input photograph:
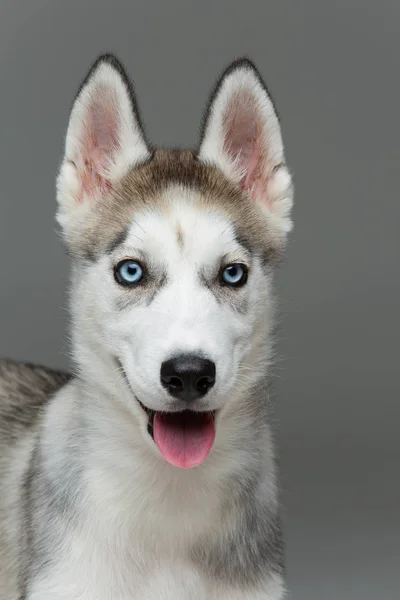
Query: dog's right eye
x,y
234,275
128,272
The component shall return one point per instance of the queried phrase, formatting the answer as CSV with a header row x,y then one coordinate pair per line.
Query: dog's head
x,y
173,252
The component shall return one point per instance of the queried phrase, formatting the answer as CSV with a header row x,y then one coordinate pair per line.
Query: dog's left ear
x,y
242,137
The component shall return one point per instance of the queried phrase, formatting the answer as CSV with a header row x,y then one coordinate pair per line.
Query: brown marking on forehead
x,y
179,235
143,186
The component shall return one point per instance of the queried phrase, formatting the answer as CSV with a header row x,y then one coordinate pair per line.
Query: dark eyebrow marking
x,y
117,241
268,255
245,242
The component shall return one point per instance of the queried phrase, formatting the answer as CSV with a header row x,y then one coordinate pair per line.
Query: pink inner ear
x,y
244,142
100,141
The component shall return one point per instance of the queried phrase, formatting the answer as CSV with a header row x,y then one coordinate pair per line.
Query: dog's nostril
x,y
174,383
188,377
204,384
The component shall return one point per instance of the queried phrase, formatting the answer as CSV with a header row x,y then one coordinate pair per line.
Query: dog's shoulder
x,y
24,389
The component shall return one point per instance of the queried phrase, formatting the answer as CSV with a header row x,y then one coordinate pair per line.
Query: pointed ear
x,y
104,140
242,137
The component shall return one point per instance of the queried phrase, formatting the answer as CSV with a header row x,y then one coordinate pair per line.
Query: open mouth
x,y
183,438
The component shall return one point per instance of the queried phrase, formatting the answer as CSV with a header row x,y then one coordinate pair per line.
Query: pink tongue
x,y
184,439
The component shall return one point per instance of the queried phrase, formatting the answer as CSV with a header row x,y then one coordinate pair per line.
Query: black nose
x,y
188,377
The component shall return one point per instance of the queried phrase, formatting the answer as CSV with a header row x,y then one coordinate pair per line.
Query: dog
x,y
149,473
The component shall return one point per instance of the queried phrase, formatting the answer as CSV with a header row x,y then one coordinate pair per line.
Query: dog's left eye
x,y
128,272
234,275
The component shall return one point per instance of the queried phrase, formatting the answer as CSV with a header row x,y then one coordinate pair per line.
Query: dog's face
x,y
174,251
179,291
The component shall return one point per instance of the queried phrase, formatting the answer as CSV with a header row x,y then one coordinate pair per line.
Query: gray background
x,y
333,68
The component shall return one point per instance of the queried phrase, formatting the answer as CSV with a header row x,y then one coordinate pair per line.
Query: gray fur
x,y
253,543
24,392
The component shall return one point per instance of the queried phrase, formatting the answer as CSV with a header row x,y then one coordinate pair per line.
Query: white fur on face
x,y
186,312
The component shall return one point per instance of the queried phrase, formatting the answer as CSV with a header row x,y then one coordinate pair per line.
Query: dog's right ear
x,y
104,140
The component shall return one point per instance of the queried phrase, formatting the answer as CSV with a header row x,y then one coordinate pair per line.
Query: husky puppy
x,y
149,474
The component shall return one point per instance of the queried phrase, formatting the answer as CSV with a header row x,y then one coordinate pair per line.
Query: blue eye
x,y
128,272
235,275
